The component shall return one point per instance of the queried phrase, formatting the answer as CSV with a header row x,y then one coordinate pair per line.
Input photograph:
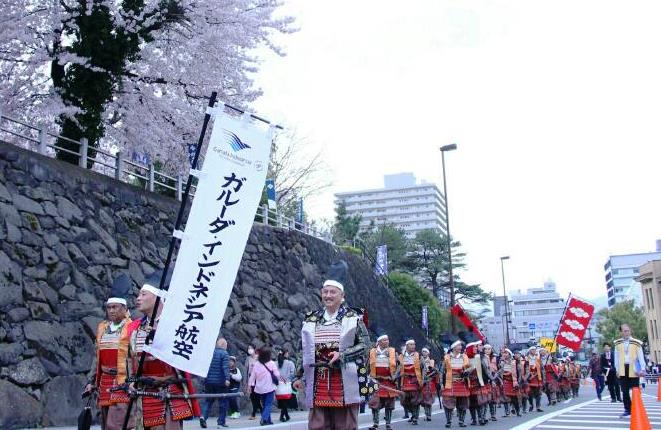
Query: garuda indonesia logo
x,y
234,141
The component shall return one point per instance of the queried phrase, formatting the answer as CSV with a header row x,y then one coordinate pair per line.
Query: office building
x,y
536,312
649,278
402,203
621,272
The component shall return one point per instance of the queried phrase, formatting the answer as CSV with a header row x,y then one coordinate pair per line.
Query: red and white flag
x,y
574,323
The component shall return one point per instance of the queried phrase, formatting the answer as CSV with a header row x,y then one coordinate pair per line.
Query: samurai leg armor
x,y
492,411
461,413
517,407
507,409
388,418
375,418
415,413
448,417
473,416
428,413
538,402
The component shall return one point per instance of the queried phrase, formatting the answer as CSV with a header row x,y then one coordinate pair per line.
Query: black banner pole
x,y
173,243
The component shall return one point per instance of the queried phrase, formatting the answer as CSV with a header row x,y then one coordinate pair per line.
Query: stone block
x,y
62,402
68,210
25,204
10,353
28,372
17,408
17,315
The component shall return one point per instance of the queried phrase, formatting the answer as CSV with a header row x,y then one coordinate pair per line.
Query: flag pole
x,y
173,243
555,337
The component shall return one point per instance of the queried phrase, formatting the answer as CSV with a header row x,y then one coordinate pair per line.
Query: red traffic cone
x,y
658,391
639,420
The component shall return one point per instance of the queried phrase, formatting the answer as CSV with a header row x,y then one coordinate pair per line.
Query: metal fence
x,y
43,141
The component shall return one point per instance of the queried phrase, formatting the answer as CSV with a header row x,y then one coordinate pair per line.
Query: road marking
x,y
591,421
536,421
581,428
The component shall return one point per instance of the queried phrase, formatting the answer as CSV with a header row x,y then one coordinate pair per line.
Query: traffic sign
x,y
531,326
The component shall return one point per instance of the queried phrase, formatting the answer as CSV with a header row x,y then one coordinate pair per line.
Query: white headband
x,y
116,300
332,283
487,346
410,341
155,291
382,337
456,343
425,350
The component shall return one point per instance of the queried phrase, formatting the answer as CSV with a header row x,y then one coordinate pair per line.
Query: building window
x,y
651,298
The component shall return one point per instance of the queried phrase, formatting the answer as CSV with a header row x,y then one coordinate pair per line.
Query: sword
x,y
392,390
164,395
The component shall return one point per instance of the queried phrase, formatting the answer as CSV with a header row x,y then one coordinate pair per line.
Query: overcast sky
x,y
555,108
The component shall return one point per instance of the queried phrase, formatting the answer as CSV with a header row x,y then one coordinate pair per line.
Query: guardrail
x,y
40,139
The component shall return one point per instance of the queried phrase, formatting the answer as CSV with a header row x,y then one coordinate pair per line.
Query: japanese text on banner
x,y
222,213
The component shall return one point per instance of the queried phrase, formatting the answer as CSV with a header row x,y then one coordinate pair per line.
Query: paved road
x,y
604,415
584,413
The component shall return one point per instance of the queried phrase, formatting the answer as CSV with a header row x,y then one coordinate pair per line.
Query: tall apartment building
x,y
650,279
402,202
621,273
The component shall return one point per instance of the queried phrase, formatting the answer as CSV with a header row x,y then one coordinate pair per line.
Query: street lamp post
x,y
445,149
507,312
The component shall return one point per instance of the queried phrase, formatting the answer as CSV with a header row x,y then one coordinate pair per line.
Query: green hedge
x,y
413,297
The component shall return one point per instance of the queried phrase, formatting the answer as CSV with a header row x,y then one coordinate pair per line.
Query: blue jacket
x,y
219,369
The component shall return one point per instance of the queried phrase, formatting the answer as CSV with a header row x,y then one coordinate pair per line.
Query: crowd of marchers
x,y
340,371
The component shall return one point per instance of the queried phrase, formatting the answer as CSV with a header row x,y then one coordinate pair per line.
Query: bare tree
x,y
298,171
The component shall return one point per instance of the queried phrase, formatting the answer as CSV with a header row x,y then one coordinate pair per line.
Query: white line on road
x,y
581,427
591,421
534,422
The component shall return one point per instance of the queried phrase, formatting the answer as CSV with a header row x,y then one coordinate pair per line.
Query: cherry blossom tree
x,y
132,74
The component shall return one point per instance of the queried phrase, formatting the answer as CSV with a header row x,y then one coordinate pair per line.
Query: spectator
x,y
262,382
235,385
630,364
287,372
218,381
251,359
597,374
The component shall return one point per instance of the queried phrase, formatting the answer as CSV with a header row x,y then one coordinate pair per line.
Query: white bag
x,y
283,390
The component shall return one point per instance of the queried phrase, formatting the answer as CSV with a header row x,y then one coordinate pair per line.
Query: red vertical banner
x,y
574,323
459,312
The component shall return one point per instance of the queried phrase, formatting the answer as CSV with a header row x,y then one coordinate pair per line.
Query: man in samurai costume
x,y
335,342
508,368
574,376
383,368
565,385
496,381
524,388
411,381
429,382
151,412
551,376
455,384
535,378
103,374
479,381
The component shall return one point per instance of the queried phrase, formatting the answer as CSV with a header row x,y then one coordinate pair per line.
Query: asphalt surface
x,y
583,413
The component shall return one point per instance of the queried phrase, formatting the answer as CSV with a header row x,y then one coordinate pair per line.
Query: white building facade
x,y
402,203
537,312
621,271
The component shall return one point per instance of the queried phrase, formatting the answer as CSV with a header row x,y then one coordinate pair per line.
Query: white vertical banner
x,y
229,188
